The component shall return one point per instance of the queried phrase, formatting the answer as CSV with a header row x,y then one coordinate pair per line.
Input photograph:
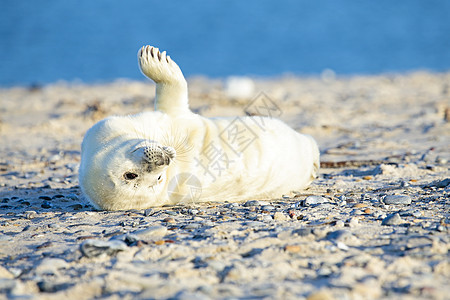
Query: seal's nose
x,y
154,155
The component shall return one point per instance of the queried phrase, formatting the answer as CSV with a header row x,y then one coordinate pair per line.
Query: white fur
x,y
274,161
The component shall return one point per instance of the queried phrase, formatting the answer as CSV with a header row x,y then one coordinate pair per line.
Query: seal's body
x,y
173,156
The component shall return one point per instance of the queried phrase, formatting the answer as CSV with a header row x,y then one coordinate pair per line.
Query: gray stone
x,y
231,205
153,232
417,214
148,212
268,207
264,218
397,200
379,215
251,216
72,197
192,226
193,211
52,287
31,214
253,224
50,266
339,235
311,200
251,203
440,228
392,219
92,248
303,231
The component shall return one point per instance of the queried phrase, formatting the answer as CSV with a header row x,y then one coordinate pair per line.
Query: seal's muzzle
x,y
155,156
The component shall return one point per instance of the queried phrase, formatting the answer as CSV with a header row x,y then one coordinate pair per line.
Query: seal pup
x,y
172,155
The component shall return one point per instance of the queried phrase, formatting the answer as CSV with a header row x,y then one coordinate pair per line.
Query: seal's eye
x,y
130,176
159,178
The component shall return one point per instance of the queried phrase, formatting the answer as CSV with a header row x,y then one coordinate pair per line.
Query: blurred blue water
x,y
45,41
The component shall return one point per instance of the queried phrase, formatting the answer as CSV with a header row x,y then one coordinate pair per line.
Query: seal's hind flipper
x,y
171,86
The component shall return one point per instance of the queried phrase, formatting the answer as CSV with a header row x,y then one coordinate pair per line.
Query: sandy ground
x,y
375,223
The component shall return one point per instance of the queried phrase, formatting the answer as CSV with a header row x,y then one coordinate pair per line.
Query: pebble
x,y
251,203
342,203
148,212
252,224
442,184
311,200
379,215
268,207
404,184
169,220
52,287
279,216
342,246
440,228
46,204
54,158
93,248
397,200
231,205
417,214
292,248
50,266
392,219
353,222
251,216
76,206
192,226
297,205
150,233
264,218
339,223
193,211
303,231
72,197
31,214
129,238
339,235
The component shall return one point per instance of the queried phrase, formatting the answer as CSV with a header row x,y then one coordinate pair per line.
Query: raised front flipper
x,y
171,86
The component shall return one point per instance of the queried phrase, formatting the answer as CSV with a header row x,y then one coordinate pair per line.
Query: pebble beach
x,y
373,225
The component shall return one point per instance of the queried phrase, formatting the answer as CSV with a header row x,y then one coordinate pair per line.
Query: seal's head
x,y
146,166
124,173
